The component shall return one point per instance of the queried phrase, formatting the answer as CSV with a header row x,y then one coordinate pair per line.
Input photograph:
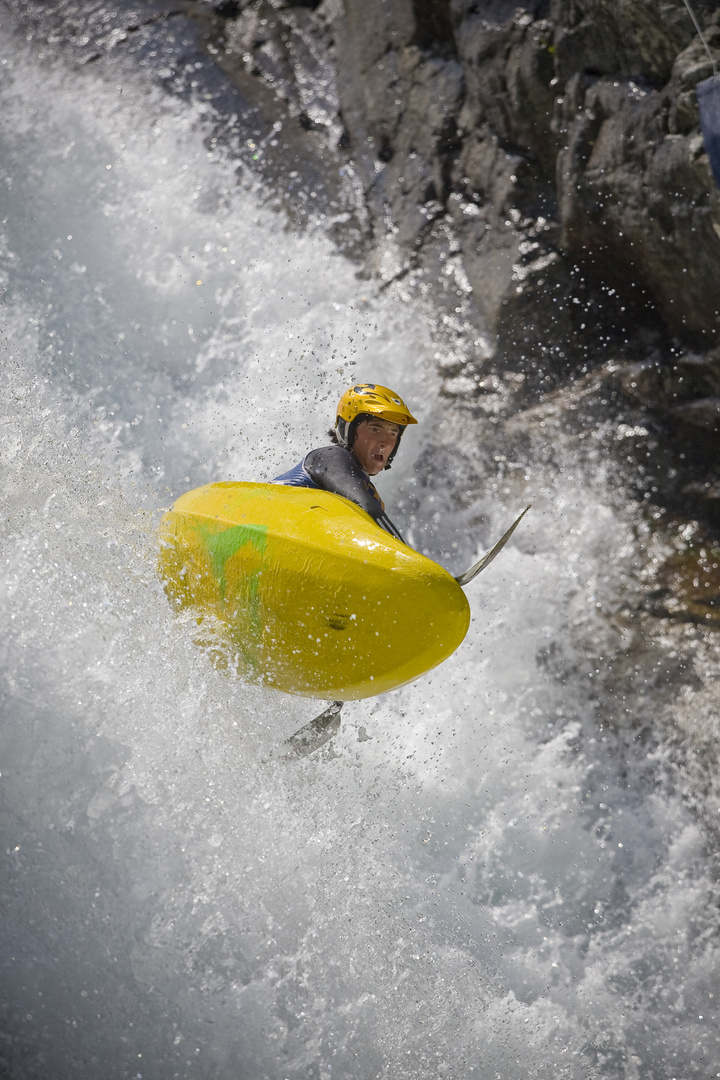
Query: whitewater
x,y
494,872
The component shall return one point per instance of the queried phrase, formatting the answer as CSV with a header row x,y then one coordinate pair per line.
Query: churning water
x,y
490,873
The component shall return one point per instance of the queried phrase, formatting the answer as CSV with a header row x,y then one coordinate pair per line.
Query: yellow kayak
x,y
313,598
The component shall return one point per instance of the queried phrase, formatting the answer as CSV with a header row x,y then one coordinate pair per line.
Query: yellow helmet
x,y
369,399
376,400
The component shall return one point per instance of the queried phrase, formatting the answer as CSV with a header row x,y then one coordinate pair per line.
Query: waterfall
x,y
497,871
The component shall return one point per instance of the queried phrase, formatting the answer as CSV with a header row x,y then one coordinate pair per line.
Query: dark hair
x,y
333,436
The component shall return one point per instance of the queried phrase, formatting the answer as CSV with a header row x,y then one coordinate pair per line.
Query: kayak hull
x,y
309,595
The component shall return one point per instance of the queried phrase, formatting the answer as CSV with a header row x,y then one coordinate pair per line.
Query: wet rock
x,y
702,498
687,587
559,142
702,414
399,101
637,202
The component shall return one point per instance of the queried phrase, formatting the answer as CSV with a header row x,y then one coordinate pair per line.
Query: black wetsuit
x,y
333,468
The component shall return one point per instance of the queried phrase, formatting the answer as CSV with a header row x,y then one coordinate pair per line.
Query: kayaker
x,y
368,428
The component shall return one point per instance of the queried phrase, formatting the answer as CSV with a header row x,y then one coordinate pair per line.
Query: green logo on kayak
x,y
221,546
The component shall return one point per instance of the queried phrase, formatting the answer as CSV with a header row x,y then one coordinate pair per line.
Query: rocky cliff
x,y
538,169
542,166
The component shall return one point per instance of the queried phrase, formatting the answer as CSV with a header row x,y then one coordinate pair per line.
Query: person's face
x,y
374,443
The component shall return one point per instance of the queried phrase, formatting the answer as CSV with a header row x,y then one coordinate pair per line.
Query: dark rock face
x,y
635,192
560,142
578,116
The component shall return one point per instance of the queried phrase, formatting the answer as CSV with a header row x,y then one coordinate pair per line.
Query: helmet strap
x,y
346,431
352,428
396,447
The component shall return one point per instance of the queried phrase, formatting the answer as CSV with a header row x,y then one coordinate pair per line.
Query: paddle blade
x,y
317,732
466,578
